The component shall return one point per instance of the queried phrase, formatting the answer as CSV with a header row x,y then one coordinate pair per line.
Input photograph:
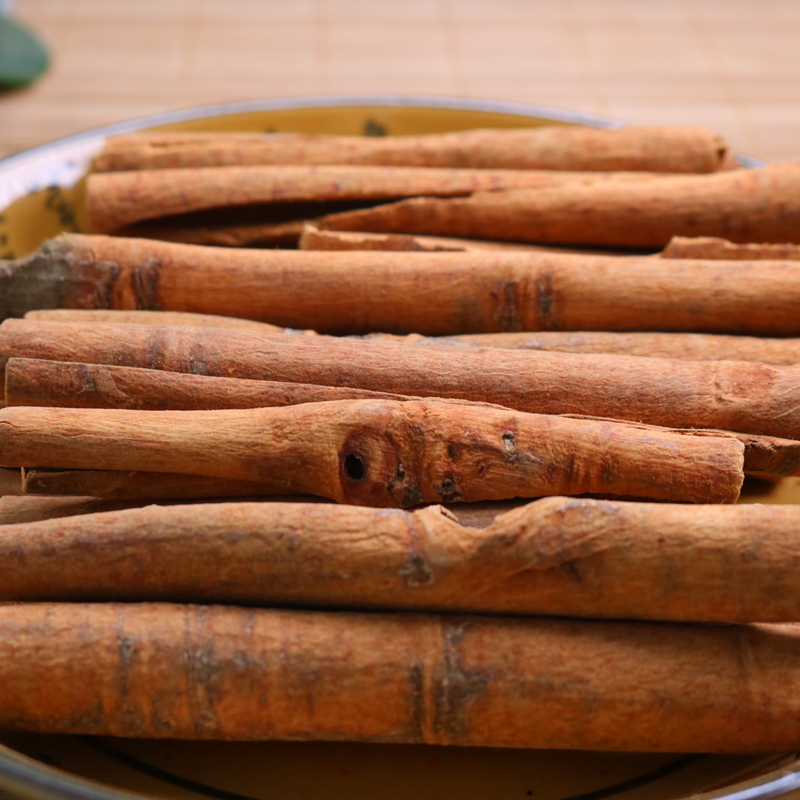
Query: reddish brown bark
x,y
730,395
231,673
739,205
662,149
712,247
427,293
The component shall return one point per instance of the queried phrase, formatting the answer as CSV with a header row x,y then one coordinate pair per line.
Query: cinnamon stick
x,y
313,238
730,395
24,509
37,382
739,205
383,453
136,485
660,149
34,382
557,556
713,247
198,672
688,346
138,317
426,293
117,199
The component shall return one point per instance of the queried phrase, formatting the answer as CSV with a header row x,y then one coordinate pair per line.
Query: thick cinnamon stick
x,y
137,317
713,247
118,199
427,293
739,205
580,558
230,673
730,395
661,149
383,453
34,382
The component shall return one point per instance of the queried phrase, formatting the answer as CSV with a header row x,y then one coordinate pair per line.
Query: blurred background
x,y
731,65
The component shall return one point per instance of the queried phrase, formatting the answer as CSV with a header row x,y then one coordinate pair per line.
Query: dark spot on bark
x,y
452,452
417,727
482,469
412,496
354,467
572,568
788,466
507,313
416,571
546,302
144,284
448,489
607,475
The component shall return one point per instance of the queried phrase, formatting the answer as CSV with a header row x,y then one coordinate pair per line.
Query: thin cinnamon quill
x,y
138,317
426,293
34,382
383,453
557,556
660,149
199,672
739,205
117,199
730,395
713,247
313,238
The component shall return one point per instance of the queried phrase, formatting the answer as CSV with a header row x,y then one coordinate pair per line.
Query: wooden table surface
x,y
733,66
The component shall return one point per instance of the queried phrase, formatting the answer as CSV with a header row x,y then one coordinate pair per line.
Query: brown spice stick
x,y
137,317
740,205
37,382
729,395
688,346
136,484
228,673
24,509
661,149
312,238
34,382
713,247
118,199
383,453
557,556
10,482
427,293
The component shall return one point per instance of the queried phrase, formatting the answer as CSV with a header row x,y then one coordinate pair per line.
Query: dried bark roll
x,y
739,205
713,247
229,673
426,293
558,556
312,238
137,317
689,346
729,395
661,149
383,453
34,382
117,199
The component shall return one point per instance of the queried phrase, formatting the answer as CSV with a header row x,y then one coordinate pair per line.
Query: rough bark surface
x,y
117,199
661,149
426,293
383,453
729,395
557,556
740,205
199,672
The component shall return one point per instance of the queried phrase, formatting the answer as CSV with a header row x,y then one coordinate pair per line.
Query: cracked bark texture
x,y
383,453
212,672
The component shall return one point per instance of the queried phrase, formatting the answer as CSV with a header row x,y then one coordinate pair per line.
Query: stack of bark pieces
x,y
471,342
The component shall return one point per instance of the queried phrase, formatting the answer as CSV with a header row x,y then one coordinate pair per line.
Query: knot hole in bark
x,y
354,467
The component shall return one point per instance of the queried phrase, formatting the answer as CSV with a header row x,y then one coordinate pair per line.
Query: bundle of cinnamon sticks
x,y
471,485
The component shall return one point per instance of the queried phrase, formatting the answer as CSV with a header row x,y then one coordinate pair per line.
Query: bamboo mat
x,y
731,66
